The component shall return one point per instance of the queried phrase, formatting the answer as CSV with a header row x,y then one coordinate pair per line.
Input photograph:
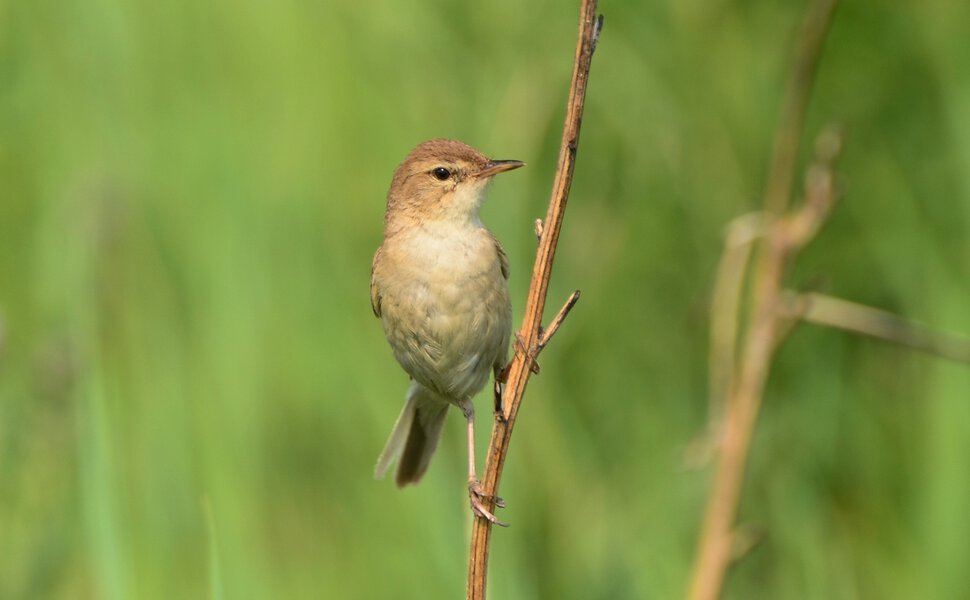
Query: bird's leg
x,y
475,492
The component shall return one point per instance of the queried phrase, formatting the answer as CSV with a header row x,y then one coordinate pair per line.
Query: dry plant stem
x,y
529,334
766,328
725,310
873,322
743,404
546,334
798,92
761,337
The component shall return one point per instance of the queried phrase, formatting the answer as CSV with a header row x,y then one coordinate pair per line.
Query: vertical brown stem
x,y
519,372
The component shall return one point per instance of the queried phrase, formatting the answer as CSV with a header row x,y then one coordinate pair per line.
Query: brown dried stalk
x,y
725,309
531,338
784,235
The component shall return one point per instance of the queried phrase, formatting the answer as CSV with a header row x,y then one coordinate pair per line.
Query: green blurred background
x,y
193,389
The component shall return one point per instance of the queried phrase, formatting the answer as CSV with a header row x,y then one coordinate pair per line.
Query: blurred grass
x,y
190,195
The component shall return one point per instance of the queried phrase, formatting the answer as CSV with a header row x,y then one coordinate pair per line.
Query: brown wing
x,y
375,296
502,257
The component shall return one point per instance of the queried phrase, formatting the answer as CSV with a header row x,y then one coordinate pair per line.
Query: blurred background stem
x,y
775,247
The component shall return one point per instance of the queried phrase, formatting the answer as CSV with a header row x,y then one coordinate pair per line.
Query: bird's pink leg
x,y
475,492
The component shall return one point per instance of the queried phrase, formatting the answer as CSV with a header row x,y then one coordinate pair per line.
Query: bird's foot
x,y
476,495
499,392
501,378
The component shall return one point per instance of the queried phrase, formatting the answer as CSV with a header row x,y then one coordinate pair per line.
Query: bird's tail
x,y
415,435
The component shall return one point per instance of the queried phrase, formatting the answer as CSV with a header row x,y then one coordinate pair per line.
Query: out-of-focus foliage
x,y
193,389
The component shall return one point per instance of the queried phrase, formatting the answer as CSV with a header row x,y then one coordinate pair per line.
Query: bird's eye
x,y
441,173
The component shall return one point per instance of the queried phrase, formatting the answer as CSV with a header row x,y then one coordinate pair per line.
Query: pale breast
x,y
445,307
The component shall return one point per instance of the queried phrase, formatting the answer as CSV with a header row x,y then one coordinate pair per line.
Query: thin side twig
x,y
529,334
828,311
546,334
763,323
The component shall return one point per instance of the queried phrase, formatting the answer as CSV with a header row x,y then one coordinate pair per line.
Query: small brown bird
x,y
439,286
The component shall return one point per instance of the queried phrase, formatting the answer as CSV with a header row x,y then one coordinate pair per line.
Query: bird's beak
x,y
493,167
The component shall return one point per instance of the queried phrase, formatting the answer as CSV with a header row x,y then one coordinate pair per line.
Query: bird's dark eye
x,y
441,173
